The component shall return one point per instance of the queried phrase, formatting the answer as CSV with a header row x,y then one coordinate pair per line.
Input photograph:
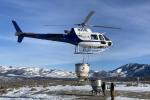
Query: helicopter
x,y
85,41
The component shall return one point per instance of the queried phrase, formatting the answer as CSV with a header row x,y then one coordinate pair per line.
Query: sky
x,y
130,43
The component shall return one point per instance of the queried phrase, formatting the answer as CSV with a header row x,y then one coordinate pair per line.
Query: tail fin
x,y
19,32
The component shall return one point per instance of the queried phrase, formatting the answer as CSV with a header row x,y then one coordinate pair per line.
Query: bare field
x,y
65,89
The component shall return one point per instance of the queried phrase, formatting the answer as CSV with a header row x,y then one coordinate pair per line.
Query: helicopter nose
x,y
109,43
103,42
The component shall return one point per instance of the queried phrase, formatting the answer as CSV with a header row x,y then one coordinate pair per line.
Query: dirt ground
x,y
81,95
88,95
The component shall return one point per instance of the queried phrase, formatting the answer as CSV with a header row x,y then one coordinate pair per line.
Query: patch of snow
x,y
125,98
12,75
119,70
26,93
133,88
139,69
40,97
69,88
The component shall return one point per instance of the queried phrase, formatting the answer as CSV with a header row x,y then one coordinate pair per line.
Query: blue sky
x,y
130,44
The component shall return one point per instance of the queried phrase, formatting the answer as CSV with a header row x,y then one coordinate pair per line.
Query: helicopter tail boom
x,y
19,32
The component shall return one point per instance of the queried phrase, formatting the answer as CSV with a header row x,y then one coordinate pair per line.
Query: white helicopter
x,y
85,41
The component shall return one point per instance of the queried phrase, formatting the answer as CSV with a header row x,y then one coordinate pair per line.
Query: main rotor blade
x,y
58,25
88,17
105,26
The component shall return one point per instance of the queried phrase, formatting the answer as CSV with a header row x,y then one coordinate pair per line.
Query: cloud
x,y
129,42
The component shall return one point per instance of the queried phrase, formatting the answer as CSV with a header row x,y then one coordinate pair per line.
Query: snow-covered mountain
x,y
132,70
128,70
99,74
34,72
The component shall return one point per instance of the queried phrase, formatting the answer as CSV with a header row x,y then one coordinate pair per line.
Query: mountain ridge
x,y
127,70
34,72
133,70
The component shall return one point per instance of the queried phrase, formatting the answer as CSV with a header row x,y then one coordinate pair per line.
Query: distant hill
x,y
99,74
34,72
132,70
127,70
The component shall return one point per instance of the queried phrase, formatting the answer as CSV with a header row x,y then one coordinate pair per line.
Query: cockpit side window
x,y
107,39
94,37
101,37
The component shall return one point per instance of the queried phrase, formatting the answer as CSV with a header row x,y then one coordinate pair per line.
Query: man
x,y
103,88
112,93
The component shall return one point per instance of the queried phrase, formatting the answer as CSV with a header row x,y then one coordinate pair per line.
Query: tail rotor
x,y
19,32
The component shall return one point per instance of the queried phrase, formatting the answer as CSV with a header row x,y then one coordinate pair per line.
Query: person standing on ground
x,y
112,92
103,88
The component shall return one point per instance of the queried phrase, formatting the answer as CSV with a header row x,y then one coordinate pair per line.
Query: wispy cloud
x,y
129,42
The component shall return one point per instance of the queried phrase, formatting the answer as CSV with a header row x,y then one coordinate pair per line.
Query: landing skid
x,y
82,50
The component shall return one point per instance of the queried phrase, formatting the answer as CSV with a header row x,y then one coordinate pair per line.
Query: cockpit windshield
x,y
101,37
107,39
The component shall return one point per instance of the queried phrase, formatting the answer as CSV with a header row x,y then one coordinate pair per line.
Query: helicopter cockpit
x,y
94,37
97,36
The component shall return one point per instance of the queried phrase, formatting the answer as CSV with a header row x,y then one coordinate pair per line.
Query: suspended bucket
x,y
82,71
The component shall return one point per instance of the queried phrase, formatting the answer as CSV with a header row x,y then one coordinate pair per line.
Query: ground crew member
x,y
103,88
112,92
